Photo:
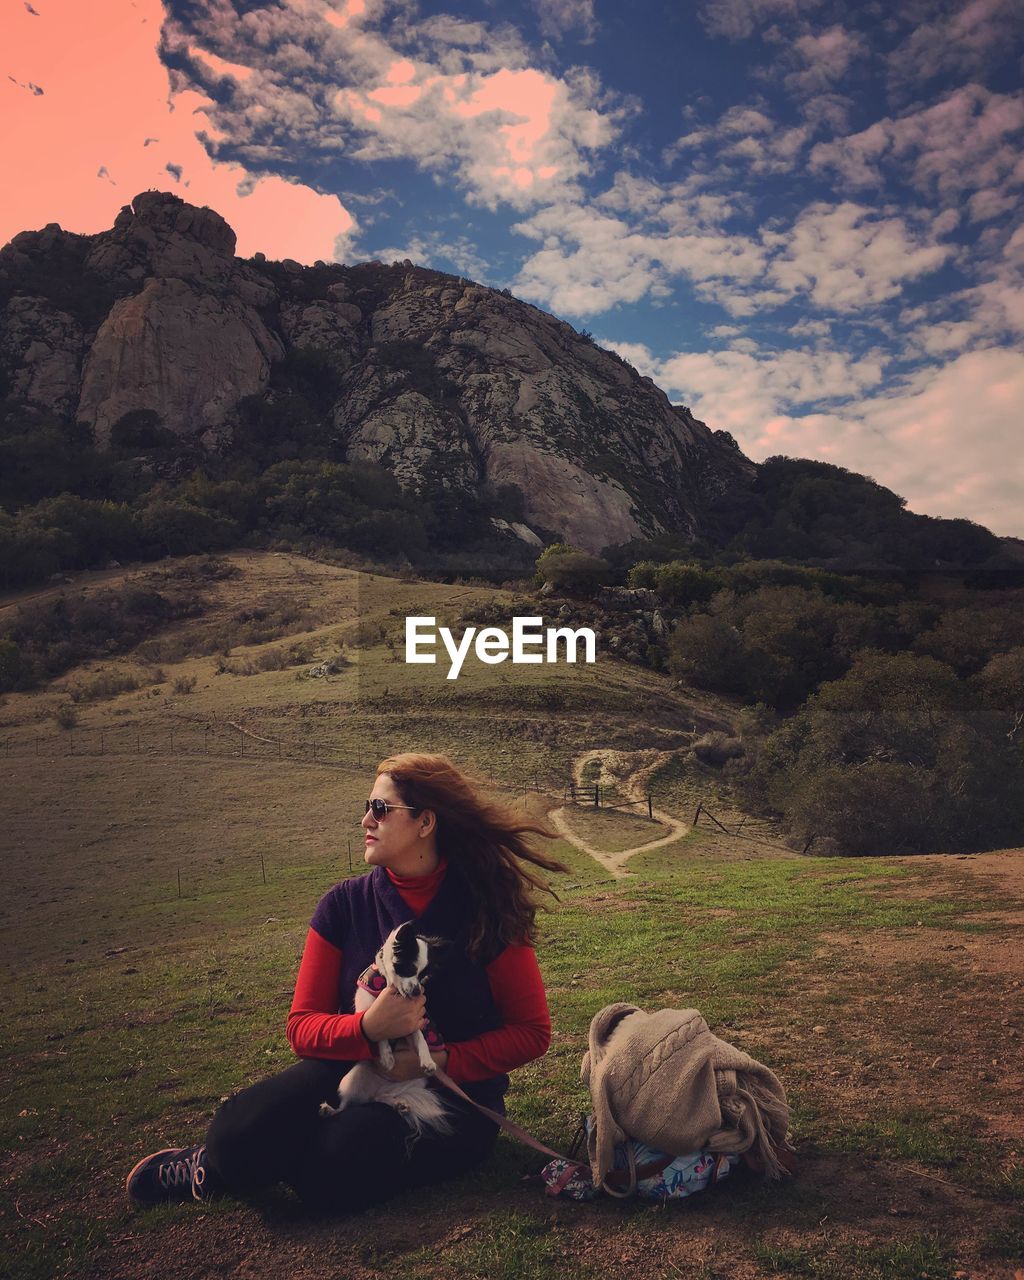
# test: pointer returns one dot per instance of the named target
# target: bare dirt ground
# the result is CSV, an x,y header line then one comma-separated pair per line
x,y
630,771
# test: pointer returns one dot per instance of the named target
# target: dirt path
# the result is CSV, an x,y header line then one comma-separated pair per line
x,y
630,773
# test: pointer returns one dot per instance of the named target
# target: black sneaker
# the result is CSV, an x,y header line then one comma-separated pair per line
x,y
176,1173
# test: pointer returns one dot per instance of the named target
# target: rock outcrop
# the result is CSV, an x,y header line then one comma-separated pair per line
x,y
183,351
438,379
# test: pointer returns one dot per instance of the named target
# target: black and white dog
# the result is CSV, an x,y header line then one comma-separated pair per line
x,y
401,962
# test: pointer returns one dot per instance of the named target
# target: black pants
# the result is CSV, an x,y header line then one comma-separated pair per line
x,y
273,1132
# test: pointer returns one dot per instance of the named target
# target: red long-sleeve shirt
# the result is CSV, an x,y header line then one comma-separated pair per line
x,y
317,1030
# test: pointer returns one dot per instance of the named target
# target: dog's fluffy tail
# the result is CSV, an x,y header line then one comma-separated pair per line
x,y
422,1107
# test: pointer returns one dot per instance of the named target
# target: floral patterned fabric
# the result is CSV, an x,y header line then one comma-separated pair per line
x,y
683,1175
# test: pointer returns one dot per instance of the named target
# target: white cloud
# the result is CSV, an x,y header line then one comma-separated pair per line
x,y
970,140
947,439
961,38
989,313
432,250
637,353
557,17
745,137
590,261
842,258
460,100
723,384
738,19
945,436
824,59
810,328
845,257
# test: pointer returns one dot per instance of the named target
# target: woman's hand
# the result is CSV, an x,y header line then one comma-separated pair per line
x,y
393,1015
407,1064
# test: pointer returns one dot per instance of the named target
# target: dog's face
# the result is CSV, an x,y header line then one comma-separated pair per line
x,y
403,960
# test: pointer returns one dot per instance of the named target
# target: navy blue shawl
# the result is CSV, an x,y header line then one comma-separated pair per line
x,y
358,914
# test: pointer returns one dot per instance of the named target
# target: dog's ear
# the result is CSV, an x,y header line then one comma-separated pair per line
x,y
436,944
438,954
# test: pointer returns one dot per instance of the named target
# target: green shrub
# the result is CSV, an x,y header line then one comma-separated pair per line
x,y
66,717
54,634
898,756
777,644
107,684
15,672
1001,684
574,572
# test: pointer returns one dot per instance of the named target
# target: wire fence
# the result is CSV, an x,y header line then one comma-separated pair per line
x,y
222,741
508,770
597,796
737,833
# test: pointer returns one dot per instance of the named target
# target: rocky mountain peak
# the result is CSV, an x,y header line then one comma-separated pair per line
x,y
159,213
437,378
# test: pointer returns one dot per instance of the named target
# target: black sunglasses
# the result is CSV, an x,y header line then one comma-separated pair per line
x,y
381,807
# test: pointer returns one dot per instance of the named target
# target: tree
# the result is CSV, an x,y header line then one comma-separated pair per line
x,y
1001,684
777,644
176,528
573,571
898,756
15,672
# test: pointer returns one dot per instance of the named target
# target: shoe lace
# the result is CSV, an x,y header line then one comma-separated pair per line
x,y
184,1169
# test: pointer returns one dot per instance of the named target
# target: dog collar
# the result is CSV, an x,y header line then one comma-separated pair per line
x,y
371,979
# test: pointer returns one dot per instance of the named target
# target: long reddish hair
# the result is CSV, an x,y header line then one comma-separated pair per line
x,y
485,840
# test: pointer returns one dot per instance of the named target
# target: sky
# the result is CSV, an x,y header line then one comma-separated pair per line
x,y
801,218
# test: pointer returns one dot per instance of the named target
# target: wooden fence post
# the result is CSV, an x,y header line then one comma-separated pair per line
x,y
697,814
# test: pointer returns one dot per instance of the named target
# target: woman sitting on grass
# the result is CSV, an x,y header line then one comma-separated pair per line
x,y
452,862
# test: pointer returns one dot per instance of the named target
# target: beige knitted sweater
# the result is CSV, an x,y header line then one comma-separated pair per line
x,y
664,1079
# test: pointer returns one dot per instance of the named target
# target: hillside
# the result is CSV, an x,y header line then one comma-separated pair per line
x,y
163,851
443,382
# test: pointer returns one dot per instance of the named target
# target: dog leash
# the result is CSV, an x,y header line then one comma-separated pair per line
x,y
510,1126
615,1180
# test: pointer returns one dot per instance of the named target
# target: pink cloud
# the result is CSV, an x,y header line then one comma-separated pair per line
x,y
219,66
106,94
342,17
945,437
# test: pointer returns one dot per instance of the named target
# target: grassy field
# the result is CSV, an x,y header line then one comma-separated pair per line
x,y
159,870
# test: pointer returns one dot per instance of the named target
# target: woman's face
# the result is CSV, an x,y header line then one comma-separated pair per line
x,y
394,841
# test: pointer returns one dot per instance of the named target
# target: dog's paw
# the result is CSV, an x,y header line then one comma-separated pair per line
x,y
429,1067
327,1110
